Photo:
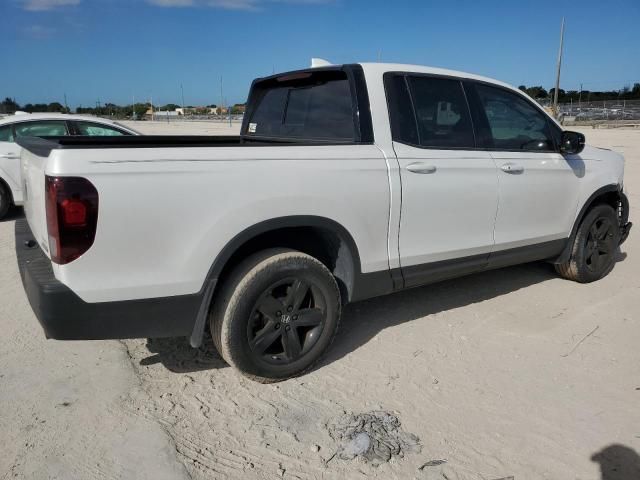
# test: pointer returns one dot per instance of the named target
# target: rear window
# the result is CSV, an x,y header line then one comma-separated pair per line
x,y
305,106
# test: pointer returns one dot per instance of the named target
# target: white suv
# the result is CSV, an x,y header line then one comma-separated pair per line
x,y
38,125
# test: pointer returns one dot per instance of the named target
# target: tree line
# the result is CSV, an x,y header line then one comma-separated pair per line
x,y
9,105
566,96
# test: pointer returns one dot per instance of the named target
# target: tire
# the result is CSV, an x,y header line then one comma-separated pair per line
x,y
5,201
275,315
594,247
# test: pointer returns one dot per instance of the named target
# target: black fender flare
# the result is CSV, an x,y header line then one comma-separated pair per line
x,y
260,228
611,188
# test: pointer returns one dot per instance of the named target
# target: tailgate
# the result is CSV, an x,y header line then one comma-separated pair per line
x,y
33,177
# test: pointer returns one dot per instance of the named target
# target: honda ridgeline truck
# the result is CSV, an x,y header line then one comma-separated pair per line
x,y
345,183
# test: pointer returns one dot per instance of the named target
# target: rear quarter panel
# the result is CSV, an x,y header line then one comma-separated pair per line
x,y
166,213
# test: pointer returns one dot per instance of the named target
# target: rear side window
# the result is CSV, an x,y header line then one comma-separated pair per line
x,y
6,134
514,123
441,113
45,128
97,130
429,111
307,106
403,122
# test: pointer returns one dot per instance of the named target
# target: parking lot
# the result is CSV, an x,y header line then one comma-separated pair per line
x,y
509,373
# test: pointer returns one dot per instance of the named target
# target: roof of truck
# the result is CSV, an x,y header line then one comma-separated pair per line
x,y
401,67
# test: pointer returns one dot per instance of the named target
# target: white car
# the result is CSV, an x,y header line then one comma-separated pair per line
x,y
41,124
347,182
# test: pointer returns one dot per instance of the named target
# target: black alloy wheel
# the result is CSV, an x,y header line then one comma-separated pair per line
x,y
286,321
276,314
600,244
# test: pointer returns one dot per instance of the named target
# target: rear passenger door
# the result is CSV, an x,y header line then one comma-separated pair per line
x,y
449,186
538,187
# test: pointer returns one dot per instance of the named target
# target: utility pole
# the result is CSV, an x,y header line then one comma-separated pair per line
x,y
182,92
555,93
580,99
151,102
221,97
65,103
133,107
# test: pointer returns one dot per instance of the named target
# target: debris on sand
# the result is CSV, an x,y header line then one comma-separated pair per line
x,y
375,437
431,463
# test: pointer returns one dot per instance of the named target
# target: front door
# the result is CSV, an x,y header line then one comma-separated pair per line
x,y
538,187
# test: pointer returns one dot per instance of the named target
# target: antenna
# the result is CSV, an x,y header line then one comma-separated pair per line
x,y
319,62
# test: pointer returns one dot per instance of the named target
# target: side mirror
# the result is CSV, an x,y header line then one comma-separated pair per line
x,y
571,142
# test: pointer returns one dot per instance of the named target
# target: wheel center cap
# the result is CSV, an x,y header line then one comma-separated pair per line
x,y
285,319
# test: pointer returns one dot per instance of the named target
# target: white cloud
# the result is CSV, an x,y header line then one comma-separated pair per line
x,y
42,5
230,4
38,32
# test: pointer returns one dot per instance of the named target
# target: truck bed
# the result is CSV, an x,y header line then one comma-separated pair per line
x,y
42,146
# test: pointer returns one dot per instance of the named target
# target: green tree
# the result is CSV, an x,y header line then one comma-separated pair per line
x,y
9,105
537,92
56,107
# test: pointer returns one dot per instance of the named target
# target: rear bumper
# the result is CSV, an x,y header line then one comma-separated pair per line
x,y
65,316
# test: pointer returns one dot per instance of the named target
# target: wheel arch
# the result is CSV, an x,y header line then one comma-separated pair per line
x,y
320,237
609,194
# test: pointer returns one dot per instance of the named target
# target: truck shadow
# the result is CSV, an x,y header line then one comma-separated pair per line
x,y
362,321
618,462
178,356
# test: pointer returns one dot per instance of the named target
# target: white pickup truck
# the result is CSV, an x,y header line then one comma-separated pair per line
x,y
347,182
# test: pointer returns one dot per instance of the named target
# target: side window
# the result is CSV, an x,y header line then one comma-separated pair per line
x,y
6,134
97,130
403,122
513,122
45,128
442,113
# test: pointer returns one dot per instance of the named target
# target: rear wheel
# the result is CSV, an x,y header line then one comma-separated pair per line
x,y
594,247
5,201
276,315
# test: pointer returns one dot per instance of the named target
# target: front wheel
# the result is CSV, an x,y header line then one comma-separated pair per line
x,y
276,314
5,201
594,247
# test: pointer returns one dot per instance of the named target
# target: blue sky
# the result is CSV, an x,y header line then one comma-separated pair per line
x,y
111,50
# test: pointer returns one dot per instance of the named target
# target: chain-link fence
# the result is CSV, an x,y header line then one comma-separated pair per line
x,y
619,110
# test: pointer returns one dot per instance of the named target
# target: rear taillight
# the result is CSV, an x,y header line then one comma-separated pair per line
x,y
72,217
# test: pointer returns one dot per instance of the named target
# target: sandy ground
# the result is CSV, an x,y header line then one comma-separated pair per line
x,y
510,373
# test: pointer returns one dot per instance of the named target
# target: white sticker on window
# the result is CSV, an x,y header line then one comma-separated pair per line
x,y
252,127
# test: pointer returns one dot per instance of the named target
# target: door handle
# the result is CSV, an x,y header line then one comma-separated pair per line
x,y
421,168
512,168
9,155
